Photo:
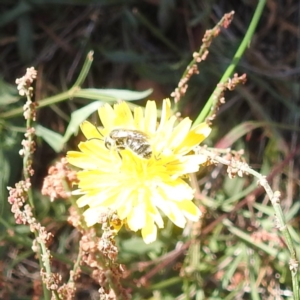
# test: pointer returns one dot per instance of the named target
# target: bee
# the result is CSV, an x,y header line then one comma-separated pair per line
x,y
135,140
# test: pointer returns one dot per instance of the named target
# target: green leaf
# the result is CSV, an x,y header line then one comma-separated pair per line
x,y
233,186
268,210
8,93
234,264
78,116
109,95
137,246
54,139
249,239
237,132
293,211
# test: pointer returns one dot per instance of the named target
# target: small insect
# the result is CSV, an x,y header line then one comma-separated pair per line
x,y
135,140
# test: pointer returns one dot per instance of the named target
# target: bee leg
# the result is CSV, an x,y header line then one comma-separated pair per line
x,y
117,148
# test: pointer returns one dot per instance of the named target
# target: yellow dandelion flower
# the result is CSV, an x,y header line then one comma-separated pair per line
x,y
134,166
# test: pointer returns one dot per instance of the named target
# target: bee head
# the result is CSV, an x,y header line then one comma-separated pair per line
x,y
108,142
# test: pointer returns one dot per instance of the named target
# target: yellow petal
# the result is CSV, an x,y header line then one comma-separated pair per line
x,y
81,160
83,201
158,219
123,211
179,133
124,116
93,179
187,164
150,117
137,218
96,150
177,190
193,138
107,116
165,114
190,210
139,119
202,129
124,198
98,199
92,216
149,231
176,215
163,135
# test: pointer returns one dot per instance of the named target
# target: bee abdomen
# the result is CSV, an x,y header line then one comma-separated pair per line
x,y
144,150
141,148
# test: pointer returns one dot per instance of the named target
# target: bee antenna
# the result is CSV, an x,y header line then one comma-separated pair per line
x,y
99,133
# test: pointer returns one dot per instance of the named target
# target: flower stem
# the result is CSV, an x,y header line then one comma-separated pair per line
x,y
275,200
72,92
244,44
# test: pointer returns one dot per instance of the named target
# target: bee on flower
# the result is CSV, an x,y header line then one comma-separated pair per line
x,y
122,138
135,166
